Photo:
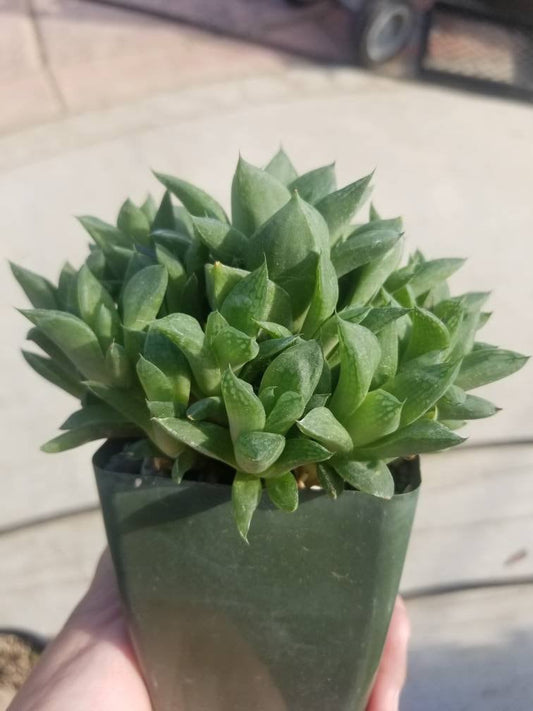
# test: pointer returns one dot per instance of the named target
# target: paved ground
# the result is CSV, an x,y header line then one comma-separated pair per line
x,y
457,167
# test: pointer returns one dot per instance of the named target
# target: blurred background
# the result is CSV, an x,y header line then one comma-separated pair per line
x,y
437,97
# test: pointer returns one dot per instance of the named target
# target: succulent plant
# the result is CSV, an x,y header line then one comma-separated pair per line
x,y
283,349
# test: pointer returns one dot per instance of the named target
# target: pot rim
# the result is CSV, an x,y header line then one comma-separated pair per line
x,y
111,446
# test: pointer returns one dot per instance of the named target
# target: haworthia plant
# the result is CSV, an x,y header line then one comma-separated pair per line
x,y
282,349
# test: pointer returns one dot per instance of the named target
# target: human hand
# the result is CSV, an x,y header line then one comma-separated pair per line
x,y
91,665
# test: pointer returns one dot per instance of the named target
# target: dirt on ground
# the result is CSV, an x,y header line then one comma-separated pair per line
x,y
17,658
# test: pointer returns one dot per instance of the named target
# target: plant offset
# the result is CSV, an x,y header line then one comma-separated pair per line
x,y
284,349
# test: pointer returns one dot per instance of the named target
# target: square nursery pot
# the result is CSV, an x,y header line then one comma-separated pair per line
x,y
294,621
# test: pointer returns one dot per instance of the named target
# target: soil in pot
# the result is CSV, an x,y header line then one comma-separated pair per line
x,y
18,655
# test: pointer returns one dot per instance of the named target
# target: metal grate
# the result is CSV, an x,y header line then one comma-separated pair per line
x,y
472,46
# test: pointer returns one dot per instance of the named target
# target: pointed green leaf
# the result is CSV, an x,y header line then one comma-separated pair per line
x,y
378,415
428,334
418,437
187,334
373,213
205,437
431,273
365,244
257,451
329,480
97,414
274,330
297,369
324,299
370,477
220,280
118,366
339,207
297,453
359,355
161,408
283,492
177,276
40,292
149,208
132,221
245,495
377,319
320,424
66,293
245,410
255,196
129,404
223,241
455,404
316,184
282,168
286,255
51,349
197,201
246,303
82,435
487,365
97,308
419,387
160,350
52,371
184,462
388,339
143,296
155,383
234,348
77,341
208,408
373,275
104,234
164,218
283,411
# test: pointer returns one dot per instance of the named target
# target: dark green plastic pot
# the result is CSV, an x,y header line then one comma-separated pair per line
x,y
295,621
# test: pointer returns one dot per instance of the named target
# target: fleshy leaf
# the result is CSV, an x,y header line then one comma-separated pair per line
x,y
457,405
220,280
245,495
419,387
246,303
143,296
132,221
97,308
370,477
316,184
104,234
130,405
160,350
82,435
118,366
419,437
283,492
208,408
379,318
365,244
245,410
282,168
233,348
40,292
184,462
430,273
339,207
329,480
223,241
372,276
97,414
297,369
52,371
205,437
325,296
378,415
320,424
359,355
255,196
428,334
77,341
196,200
177,277
164,217
297,453
485,366
155,383
257,451
285,410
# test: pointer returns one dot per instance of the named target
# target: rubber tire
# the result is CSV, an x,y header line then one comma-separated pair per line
x,y
368,22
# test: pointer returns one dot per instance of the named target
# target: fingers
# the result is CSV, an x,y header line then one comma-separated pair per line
x,y
392,670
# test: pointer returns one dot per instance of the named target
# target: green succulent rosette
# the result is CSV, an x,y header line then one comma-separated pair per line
x,y
286,347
